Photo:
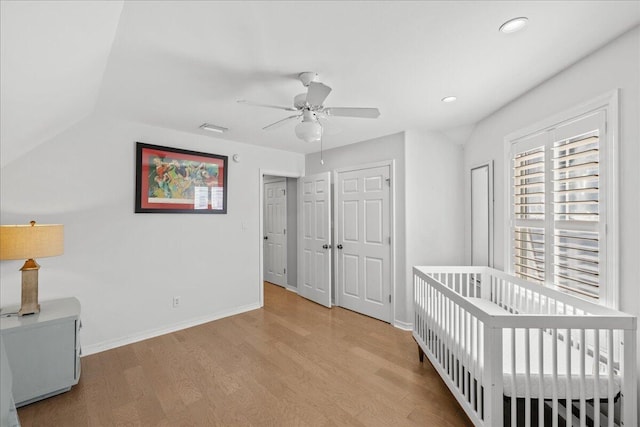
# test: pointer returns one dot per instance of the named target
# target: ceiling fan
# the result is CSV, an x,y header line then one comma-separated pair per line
x,y
309,106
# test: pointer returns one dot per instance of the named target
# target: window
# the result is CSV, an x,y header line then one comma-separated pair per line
x,y
562,208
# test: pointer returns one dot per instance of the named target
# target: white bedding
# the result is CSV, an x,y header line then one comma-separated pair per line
x,y
547,378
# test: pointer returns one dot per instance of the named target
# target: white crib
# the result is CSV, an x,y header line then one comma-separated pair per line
x,y
516,353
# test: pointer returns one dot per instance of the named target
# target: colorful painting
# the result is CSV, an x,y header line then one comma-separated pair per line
x,y
173,180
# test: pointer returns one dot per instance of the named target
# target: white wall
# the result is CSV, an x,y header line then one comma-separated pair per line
x,y
428,210
434,216
616,65
125,267
389,147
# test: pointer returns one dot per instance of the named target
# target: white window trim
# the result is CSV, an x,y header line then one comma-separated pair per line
x,y
609,103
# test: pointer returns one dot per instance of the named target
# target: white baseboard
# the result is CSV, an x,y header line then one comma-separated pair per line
x,y
291,289
152,333
403,325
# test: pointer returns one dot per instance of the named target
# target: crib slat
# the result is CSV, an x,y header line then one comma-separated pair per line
x,y
450,359
554,368
569,396
443,336
629,379
446,337
527,379
583,403
436,323
430,317
514,400
440,329
467,392
459,352
473,356
478,365
610,374
540,378
596,377
456,341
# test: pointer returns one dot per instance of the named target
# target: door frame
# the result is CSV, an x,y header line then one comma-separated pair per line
x,y
491,201
260,236
392,229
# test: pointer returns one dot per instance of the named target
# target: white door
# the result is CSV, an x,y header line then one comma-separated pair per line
x,y
275,239
364,241
314,262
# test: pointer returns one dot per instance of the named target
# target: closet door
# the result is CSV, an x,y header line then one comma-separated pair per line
x,y
314,262
482,215
363,245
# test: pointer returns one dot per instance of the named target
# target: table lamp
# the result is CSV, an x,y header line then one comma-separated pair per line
x,y
29,242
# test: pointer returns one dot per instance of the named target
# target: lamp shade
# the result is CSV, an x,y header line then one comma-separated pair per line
x,y
309,131
31,241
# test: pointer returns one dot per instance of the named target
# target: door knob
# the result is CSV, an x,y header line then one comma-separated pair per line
x,y
325,246
339,246
266,237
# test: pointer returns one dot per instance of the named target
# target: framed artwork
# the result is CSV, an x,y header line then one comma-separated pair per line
x,y
172,180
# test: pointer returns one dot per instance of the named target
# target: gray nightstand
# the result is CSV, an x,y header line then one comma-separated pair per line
x,y
43,349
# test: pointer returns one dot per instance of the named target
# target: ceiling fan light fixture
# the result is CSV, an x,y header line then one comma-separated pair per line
x,y
448,99
513,25
309,131
213,128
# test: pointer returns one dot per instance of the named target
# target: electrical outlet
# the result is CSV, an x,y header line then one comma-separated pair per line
x,y
176,302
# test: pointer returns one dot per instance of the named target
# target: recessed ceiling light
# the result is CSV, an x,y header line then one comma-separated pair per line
x,y
213,128
513,25
448,99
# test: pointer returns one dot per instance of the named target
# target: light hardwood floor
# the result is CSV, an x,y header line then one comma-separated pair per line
x,y
292,363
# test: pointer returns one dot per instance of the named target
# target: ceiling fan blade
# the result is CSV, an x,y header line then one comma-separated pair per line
x,y
280,122
256,104
317,93
368,113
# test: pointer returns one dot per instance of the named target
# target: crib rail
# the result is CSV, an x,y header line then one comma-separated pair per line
x,y
567,360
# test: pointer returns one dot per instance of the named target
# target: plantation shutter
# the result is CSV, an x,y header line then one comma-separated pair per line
x,y
558,210
578,214
529,201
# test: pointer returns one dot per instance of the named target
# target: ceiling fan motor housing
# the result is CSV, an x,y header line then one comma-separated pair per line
x,y
300,101
308,77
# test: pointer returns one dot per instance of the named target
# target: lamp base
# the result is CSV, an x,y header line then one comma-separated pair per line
x,y
29,288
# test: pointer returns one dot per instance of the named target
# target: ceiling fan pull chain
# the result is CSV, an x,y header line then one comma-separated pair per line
x,y
321,138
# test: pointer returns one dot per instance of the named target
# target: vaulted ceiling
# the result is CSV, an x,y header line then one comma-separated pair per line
x,y
180,64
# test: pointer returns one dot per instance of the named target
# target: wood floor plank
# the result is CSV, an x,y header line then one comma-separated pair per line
x,y
290,363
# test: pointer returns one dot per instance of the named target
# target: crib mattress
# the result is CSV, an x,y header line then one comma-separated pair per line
x,y
563,384
565,387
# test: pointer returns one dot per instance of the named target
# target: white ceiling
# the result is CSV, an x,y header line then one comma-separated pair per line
x,y
52,60
180,64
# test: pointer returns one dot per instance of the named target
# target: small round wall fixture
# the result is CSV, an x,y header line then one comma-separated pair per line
x,y
513,25
448,99
236,158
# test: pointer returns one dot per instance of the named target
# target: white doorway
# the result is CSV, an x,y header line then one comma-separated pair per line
x,y
363,240
267,176
275,230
